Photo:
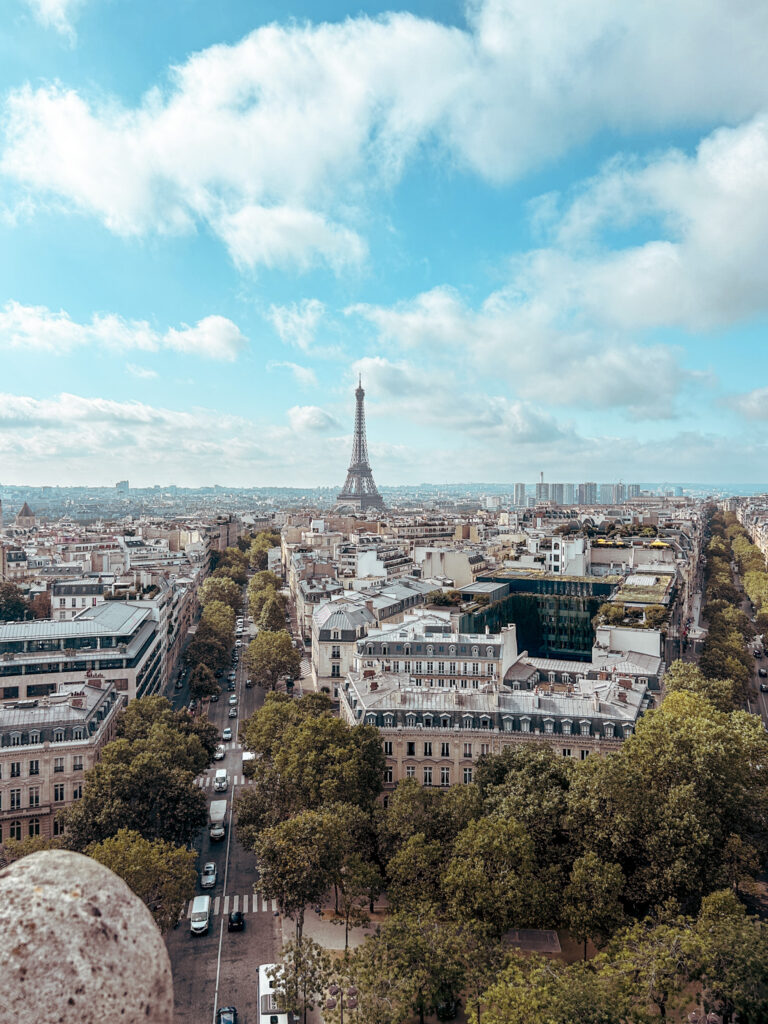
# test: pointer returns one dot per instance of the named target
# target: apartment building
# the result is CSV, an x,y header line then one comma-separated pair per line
x,y
436,735
336,628
70,597
428,652
46,746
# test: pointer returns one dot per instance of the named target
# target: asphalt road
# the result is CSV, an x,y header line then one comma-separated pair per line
x,y
221,968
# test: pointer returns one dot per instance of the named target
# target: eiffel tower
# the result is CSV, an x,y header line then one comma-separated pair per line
x,y
359,490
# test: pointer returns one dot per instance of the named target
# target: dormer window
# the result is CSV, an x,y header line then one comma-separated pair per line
x,y
452,649
430,649
489,652
34,737
608,730
58,735
475,651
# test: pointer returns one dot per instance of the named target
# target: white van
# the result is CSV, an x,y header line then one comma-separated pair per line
x,y
221,780
268,1011
201,915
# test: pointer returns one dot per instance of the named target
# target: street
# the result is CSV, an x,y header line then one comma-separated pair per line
x,y
221,968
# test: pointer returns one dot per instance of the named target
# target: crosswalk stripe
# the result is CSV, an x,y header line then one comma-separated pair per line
x,y
216,903
245,903
274,904
226,905
232,902
235,903
189,908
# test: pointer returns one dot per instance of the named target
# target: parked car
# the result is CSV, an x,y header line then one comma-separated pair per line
x,y
226,734
208,875
236,922
762,671
248,684
233,712
231,687
218,754
214,698
233,700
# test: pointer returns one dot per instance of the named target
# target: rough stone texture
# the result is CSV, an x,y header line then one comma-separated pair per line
x,y
77,946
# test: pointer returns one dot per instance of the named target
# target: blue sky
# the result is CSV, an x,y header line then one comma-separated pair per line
x,y
538,229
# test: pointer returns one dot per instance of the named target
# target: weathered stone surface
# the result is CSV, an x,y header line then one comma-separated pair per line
x,y
77,946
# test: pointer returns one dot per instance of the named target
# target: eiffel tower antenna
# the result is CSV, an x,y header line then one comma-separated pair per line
x,y
359,490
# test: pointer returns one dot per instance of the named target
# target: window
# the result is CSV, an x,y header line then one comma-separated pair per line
x,y
15,769
445,750
34,796
34,737
566,726
441,668
508,725
410,771
77,791
525,725
407,667
388,774
410,749
34,827
336,651
445,776
566,751
58,764
58,793
467,750
467,776
609,730
417,667
452,668
58,735
475,668
335,671
16,830
428,776
549,725
484,748
57,829
428,749
15,799
485,723
388,747
584,754
78,734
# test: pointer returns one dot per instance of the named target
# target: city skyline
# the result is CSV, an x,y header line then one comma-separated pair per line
x,y
212,220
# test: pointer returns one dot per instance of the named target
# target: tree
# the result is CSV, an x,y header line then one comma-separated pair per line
x,y
161,874
593,900
272,614
682,676
40,605
443,598
222,589
732,950
650,963
490,877
359,882
542,991
261,544
414,873
412,964
13,607
271,655
14,849
291,865
263,580
146,785
202,682
302,976
219,618
206,649
665,803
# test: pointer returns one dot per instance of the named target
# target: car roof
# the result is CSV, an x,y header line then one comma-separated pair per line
x,y
207,866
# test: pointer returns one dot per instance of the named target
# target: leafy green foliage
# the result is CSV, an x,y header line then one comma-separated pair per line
x,y
221,589
304,973
271,655
13,607
161,874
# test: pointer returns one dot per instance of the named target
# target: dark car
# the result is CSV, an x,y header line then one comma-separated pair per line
x,y
764,687
214,698
192,704
236,922
231,687
226,1015
762,671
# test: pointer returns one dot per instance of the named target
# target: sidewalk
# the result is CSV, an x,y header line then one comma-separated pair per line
x,y
328,934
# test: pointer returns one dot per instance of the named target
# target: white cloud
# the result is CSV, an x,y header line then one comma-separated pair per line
x,y
311,419
277,141
752,404
286,236
297,323
142,372
56,14
518,341
706,265
39,328
303,375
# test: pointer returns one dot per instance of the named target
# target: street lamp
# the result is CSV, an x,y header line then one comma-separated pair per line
x,y
338,997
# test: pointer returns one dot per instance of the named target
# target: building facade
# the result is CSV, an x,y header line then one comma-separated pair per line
x,y
46,747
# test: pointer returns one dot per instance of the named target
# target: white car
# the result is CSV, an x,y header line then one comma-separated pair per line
x,y
218,754
208,876
227,734
233,699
